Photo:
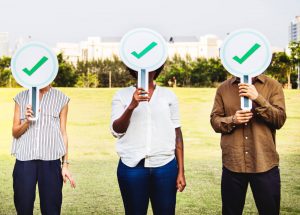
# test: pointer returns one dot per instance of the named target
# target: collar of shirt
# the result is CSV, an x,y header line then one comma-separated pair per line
x,y
260,78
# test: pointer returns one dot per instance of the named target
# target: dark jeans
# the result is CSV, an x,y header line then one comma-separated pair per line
x,y
47,174
139,184
265,188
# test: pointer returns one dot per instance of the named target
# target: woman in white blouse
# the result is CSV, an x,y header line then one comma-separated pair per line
x,y
150,146
38,147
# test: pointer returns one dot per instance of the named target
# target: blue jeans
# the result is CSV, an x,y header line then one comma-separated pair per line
x,y
139,184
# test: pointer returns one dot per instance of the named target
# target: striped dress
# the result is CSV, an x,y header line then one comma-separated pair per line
x,y
43,139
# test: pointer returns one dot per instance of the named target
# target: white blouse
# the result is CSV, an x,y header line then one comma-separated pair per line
x,y
151,131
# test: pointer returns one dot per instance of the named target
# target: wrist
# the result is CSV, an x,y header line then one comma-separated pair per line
x,y
26,121
181,171
131,107
65,163
233,119
255,97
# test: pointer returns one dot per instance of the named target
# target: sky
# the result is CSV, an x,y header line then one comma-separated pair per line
x,y
52,21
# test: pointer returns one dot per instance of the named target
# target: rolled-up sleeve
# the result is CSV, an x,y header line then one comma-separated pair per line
x,y
219,121
118,109
272,111
174,110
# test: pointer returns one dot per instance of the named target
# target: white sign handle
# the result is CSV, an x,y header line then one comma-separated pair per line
x,y
143,79
34,101
246,103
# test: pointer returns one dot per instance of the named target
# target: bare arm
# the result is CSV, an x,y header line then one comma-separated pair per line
x,y
19,128
121,124
179,152
63,127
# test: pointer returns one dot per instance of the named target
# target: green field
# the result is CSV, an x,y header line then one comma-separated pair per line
x,y
94,161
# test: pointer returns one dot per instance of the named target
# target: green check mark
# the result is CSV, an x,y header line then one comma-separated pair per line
x,y
145,51
36,66
247,55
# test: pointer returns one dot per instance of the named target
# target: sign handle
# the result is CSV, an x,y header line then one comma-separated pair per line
x,y
34,102
143,79
246,103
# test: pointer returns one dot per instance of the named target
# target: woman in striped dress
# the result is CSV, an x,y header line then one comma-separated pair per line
x,y
41,151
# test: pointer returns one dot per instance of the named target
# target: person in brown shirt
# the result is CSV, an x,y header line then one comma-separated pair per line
x,y
248,142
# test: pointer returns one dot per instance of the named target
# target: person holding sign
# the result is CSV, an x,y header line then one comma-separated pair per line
x,y
39,130
150,146
248,135
38,147
145,119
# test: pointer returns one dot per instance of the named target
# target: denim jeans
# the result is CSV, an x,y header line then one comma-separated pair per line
x,y
140,184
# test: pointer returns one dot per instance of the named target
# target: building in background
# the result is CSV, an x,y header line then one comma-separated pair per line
x,y
4,44
93,48
206,47
102,48
294,30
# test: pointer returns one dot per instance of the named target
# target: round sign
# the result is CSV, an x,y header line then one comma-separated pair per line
x,y
143,48
246,52
34,65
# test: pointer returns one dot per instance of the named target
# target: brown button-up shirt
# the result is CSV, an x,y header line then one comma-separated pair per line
x,y
249,147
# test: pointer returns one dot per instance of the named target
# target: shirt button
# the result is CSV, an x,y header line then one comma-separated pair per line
x,y
246,138
246,124
246,153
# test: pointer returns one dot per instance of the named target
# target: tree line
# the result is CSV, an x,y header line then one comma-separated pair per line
x,y
182,71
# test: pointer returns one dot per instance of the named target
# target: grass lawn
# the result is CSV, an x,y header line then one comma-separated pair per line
x,y
94,161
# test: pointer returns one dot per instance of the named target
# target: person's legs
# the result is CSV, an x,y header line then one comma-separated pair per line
x,y
163,188
266,191
233,190
50,184
134,186
24,184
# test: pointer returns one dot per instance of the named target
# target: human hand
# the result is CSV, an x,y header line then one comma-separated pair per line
x,y
242,116
66,174
180,182
248,90
139,95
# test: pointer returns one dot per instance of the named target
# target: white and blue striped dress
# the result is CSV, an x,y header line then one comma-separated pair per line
x,y
43,139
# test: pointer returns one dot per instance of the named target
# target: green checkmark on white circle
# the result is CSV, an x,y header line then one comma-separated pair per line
x,y
34,65
246,52
143,48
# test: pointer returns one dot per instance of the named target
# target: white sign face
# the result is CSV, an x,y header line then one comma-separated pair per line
x,y
143,48
246,52
34,65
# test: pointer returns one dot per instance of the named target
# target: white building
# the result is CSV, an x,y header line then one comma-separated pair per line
x,y
101,48
4,44
294,29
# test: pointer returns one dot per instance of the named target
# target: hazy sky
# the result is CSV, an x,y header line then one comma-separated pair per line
x,y
55,21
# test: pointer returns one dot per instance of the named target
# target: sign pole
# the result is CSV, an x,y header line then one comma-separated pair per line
x,y
246,103
34,101
143,79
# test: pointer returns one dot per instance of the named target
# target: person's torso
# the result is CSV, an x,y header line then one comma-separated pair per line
x,y
43,139
250,147
151,133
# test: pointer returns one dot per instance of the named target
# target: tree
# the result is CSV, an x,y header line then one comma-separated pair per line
x,y
217,72
281,68
87,80
66,76
6,78
295,58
